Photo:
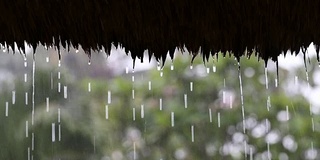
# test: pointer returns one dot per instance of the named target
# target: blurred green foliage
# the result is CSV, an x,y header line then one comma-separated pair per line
x,y
87,134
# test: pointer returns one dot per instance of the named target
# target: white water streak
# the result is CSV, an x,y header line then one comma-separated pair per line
x,y
134,114
210,115
59,115
107,112
65,92
192,133
287,111
149,85
312,123
185,101
27,129
160,104
13,97
109,97
241,97
142,111
53,132
218,119
26,98
191,86
89,87
32,141
214,69
59,132
47,104
172,119
25,77
7,109
266,77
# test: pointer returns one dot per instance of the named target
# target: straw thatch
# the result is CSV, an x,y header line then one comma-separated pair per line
x,y
266,26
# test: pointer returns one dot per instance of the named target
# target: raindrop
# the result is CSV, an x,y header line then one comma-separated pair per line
x,y
172,67
134,114
276,82
191,66
296,80
32,142
142,111
107,112
13,97
266,77
25,63
65,92
214,69
134,151
268,103
59,132
218,119
149,85
26,98
89,87
287,111
28,153
47,59
59,87
77,51
312,123
25,77
47,104
241,97
191,86
53,133
161,73
210,115
251,153
7,109
267,125
132,78
59,117
109,97
208,70
160,104
59,75
132,93
223,97
32,117
51,80
59,63
245,149
231,101
185,101
127,70
192,133
27,129
269,153
172,119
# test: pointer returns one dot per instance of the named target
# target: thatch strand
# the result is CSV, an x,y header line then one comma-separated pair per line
x,y
269,27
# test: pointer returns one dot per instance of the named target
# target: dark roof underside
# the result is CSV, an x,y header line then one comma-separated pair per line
x,y
266,26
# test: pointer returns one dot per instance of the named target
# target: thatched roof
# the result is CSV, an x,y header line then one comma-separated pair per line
x,y
267,26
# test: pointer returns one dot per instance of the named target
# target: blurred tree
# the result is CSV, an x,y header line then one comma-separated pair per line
x,y
86,132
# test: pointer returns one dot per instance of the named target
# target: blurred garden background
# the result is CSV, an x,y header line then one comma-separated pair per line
x,y
104,109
